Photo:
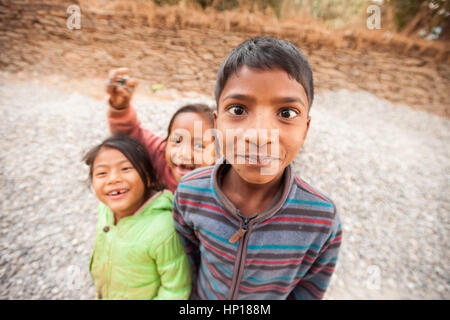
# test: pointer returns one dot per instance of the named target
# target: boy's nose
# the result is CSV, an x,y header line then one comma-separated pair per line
x,y
260,134
257,137
262,131
262,119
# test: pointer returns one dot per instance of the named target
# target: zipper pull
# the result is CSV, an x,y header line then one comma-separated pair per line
x,y
240,233
235,237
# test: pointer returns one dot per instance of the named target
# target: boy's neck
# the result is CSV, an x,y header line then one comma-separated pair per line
x,y
249,198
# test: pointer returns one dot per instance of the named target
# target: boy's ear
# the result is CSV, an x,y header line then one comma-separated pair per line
x,y
308,122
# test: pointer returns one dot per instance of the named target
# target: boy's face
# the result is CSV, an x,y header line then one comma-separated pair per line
x,y
253,107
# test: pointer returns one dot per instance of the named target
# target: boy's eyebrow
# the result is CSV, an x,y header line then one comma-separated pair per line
x,y
290,100
238,96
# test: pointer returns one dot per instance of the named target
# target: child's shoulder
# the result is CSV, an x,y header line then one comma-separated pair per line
x,y
309,197
160,204
197,177
157,218
163,199
304,189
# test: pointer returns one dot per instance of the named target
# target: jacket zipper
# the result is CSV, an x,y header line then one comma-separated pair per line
x,y
243,233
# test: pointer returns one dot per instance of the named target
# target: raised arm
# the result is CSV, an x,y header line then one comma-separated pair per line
x,y
122,117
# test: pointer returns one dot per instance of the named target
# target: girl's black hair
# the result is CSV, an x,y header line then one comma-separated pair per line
x,y
267,53
135,152
199,108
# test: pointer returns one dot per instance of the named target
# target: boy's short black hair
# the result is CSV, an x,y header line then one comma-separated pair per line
x,y
267,53
135,152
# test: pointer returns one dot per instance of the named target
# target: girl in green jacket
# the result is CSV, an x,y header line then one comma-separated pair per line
x,y
137,253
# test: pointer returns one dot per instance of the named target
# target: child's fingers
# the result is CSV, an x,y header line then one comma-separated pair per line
x,y
114,75
118,72
110,90
117,101
116,91
119,97
120,87
132,83
122,92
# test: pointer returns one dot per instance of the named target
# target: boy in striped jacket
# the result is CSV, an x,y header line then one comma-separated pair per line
x,y
252,229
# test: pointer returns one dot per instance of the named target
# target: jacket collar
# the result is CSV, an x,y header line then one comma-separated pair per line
x,y
146,203
222,166
143,208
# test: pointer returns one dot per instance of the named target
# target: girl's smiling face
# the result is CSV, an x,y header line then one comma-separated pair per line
x,y
187,148
117,183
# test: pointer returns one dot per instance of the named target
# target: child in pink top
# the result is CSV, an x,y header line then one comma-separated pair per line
x,y
174,155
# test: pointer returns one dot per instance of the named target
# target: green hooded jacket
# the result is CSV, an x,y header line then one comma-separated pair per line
x,y
141,257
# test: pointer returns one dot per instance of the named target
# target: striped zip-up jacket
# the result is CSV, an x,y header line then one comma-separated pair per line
x,y
287,252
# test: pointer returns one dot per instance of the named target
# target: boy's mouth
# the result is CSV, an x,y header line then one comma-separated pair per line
x,y
255,159
117,193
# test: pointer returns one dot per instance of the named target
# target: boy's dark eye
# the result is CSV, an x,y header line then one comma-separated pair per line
x,y
236,110
288,113
127,168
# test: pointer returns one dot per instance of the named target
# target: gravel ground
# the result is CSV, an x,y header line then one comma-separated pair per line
x,y
386,167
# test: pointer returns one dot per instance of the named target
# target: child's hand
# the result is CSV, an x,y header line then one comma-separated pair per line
x,y
120,87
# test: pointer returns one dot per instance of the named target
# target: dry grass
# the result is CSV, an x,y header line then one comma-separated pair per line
x,y
300,26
